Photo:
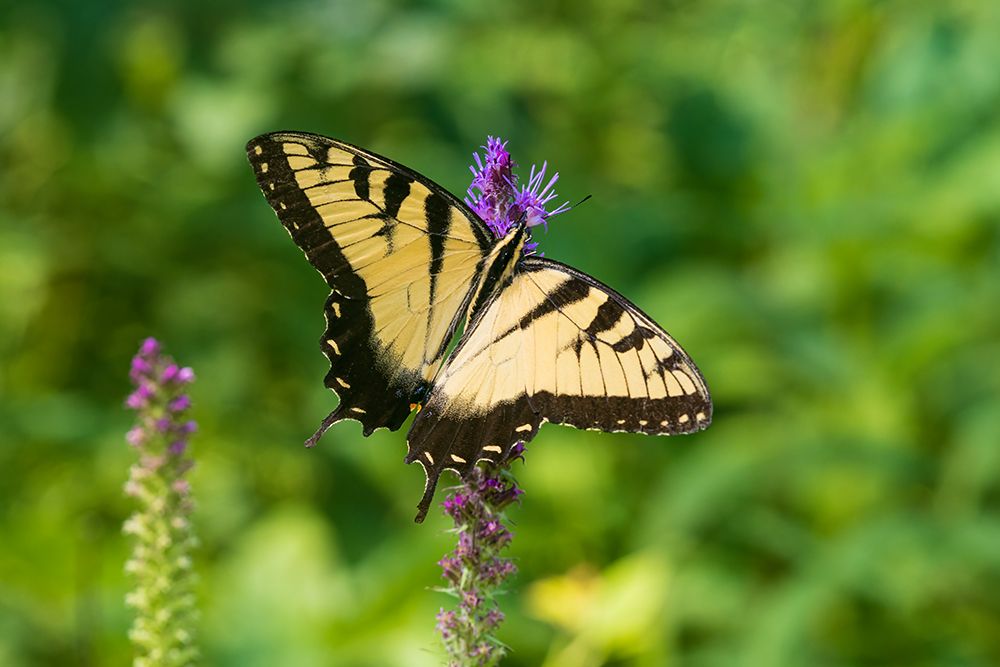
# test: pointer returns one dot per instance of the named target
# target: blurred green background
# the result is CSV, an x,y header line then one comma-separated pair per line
x,y
805,193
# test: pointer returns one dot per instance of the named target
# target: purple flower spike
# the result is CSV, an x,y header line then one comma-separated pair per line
x,y
185,375
160,527
495,197
476,570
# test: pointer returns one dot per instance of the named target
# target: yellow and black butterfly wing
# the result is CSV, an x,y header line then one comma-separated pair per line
x,y
400,254
553,345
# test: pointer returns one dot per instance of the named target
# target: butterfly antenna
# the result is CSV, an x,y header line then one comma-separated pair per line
x,y
581,201
329,421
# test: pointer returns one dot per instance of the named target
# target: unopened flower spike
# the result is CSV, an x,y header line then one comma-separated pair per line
x,y
163,598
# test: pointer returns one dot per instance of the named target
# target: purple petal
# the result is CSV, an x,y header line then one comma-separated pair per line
x,y
170,373
140,367
180,404
149,347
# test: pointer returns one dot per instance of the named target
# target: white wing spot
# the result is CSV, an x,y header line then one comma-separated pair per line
x,y
457,459
258,150
270,186
263,167
429,457
523,427
683,419
700,416
282,205
360,411
333,344
643,422
336,308
342,383
492,448
664,423
620,422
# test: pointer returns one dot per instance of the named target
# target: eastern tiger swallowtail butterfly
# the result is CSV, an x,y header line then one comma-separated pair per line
x,y
407,263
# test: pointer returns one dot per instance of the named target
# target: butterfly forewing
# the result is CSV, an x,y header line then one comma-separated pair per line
x,y
554,345
400,254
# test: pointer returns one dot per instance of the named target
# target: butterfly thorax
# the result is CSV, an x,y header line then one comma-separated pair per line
x,y
499,266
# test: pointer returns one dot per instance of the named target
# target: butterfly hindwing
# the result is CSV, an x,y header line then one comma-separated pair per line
x,y
401,256
554,345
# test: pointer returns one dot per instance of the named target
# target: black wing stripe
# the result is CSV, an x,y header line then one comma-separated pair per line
x,y
362,170
566,294
397,188
608,315
438,223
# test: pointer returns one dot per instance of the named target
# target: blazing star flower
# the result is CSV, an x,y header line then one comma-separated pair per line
x,y
163,598
494,194
476,570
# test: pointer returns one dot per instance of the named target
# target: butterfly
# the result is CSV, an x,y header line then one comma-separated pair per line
x,y
408,264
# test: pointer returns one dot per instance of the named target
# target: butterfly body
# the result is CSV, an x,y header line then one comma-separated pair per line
x,y
408,263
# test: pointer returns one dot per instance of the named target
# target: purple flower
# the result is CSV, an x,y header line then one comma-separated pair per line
x,y
140,368
476,570
496,198
161,527
138,398
179,404
170,373
532,201
149,348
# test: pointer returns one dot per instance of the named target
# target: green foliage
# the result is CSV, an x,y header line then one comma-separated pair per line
x,y
805,193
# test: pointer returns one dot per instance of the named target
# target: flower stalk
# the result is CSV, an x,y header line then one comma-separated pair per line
x,y
477,569
163,597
